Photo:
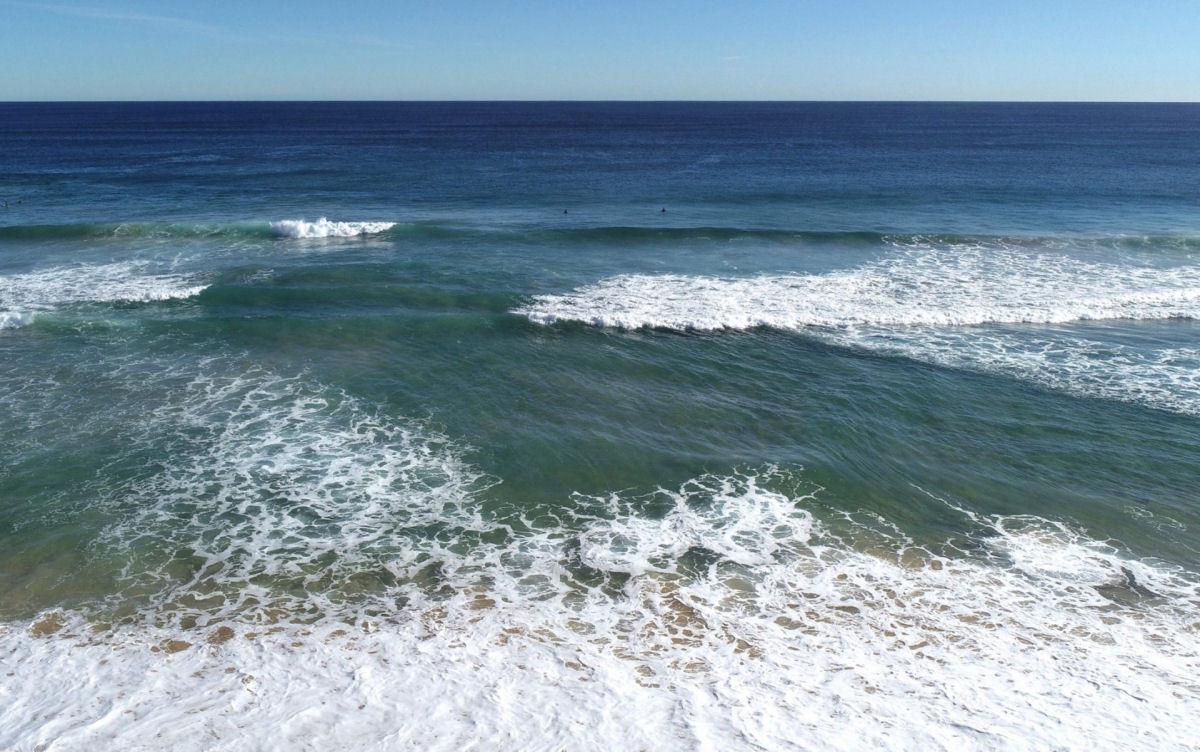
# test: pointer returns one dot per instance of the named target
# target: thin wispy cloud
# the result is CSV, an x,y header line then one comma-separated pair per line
x,y
116,14
357,40
191,25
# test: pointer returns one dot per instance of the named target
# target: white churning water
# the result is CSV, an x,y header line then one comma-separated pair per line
x,y
24,295
996,307
314,573
323,228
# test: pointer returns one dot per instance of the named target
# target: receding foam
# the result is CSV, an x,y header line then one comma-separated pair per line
x,y
308,488
323,228
738,617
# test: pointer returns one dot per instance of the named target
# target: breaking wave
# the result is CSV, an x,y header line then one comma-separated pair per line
x,y
285,564
23,296
930,286
323,228
963,306
288,228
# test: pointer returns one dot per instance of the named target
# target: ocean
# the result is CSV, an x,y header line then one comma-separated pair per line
x,y
661,426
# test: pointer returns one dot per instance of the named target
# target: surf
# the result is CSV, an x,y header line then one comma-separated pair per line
x,y
1026,312
730,608
26,295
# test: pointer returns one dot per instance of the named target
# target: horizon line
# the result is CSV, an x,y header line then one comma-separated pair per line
x,y
596,101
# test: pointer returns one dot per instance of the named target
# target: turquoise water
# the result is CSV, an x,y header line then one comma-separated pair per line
x,y
862,410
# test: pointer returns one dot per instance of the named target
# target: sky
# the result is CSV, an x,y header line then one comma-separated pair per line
x,y
1098,50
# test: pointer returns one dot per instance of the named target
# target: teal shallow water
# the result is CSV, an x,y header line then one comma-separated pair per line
x,y
569,408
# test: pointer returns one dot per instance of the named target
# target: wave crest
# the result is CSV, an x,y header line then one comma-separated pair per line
x,y
958,306
923,287
324,228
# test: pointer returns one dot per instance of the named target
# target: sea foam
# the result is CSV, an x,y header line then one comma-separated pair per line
x,y
922,286
962,305
293,566
310,490
737,618
22,296
323,228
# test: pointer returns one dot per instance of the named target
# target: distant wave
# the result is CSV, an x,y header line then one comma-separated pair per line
x,y
619,234
449,227
286,228
323,228
133,230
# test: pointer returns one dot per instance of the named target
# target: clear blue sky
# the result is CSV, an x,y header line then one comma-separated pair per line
x,y
619,49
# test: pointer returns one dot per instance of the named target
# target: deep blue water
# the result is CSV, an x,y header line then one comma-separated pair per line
x,y
888,167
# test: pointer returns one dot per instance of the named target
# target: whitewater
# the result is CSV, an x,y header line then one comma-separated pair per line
x,y
952,304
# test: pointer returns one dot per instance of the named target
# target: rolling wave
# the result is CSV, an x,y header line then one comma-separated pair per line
x,y
962,306
133,230
453,227
23,296
323,228
284,228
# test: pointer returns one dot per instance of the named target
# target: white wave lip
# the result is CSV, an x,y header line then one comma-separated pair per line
x,y
23,295
924,287
15,319
324,228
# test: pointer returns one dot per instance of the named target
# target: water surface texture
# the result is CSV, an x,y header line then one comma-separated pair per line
x,y
578,425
